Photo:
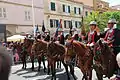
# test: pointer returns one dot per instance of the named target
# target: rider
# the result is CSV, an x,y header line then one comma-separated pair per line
x,y
109,35
62,39
92,35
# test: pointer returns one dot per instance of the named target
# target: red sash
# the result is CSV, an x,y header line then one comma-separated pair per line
x,y
108,34
92,37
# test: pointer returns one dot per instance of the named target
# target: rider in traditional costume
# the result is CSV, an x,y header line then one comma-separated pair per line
x,y
92,35
109,35
62,39
75,35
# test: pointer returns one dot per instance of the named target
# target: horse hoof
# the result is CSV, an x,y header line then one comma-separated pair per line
x,y
22,67
48,73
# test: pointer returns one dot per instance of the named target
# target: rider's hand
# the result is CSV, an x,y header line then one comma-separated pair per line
x,y
92,44
88,44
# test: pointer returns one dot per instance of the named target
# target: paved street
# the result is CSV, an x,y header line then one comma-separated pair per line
x,y
18,74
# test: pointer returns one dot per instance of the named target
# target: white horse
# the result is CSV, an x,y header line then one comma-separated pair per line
x,y
118,62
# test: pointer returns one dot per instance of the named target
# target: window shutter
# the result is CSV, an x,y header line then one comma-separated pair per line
x,y
86,13
51,23
75,10
52,6
68,9
56,23
63,8
79,10
64,24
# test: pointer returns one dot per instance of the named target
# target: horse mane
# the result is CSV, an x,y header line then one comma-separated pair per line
x,y
80,44
55,48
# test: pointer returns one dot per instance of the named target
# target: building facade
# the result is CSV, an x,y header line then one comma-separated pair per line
x,y
116,7
16,15
101,6
69,11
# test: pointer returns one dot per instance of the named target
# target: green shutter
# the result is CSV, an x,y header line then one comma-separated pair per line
x,y
63,8
75,10
52,6
68,9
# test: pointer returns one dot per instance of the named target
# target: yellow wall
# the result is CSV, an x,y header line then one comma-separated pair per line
x,y
59,14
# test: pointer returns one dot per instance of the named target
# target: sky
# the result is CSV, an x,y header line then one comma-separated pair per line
x,y
113,2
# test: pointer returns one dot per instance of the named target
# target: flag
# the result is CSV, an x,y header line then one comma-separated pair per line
x,y
36,29
59,26
43,27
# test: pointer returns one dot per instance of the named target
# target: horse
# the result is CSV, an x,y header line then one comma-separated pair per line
x,y
27,46
39,49
81,55
56,53
104,60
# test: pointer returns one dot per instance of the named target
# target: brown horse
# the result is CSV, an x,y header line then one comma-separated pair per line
x,y
39,49
27,46
104,60
56,53
83,57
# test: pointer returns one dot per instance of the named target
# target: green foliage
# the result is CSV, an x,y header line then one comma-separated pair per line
x,y
101,19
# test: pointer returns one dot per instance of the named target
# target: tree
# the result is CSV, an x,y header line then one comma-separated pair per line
x,y
101,19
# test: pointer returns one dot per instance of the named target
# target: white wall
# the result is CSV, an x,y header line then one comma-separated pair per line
x,y
16,13
37,3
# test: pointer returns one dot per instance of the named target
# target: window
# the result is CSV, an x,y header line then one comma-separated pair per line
x,y
68,9
86,13
3,13
75,10
56,21
64,24
53,23
63,8
52,6
67,24
27,15
77,24
0,12
90,13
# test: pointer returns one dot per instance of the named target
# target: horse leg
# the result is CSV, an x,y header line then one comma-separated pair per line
x,y
72,71
49,67
25,62
60,64
85,77
54,70
39,62
98,73
57,64
22,62
43,59
90,74
66,68
32,61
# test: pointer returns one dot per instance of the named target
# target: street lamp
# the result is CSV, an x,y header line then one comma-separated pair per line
x,y
33,17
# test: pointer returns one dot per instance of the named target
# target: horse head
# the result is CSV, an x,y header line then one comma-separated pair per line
x,y
104,57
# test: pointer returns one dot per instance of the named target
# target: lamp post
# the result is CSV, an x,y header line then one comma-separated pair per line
x,y
33,17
